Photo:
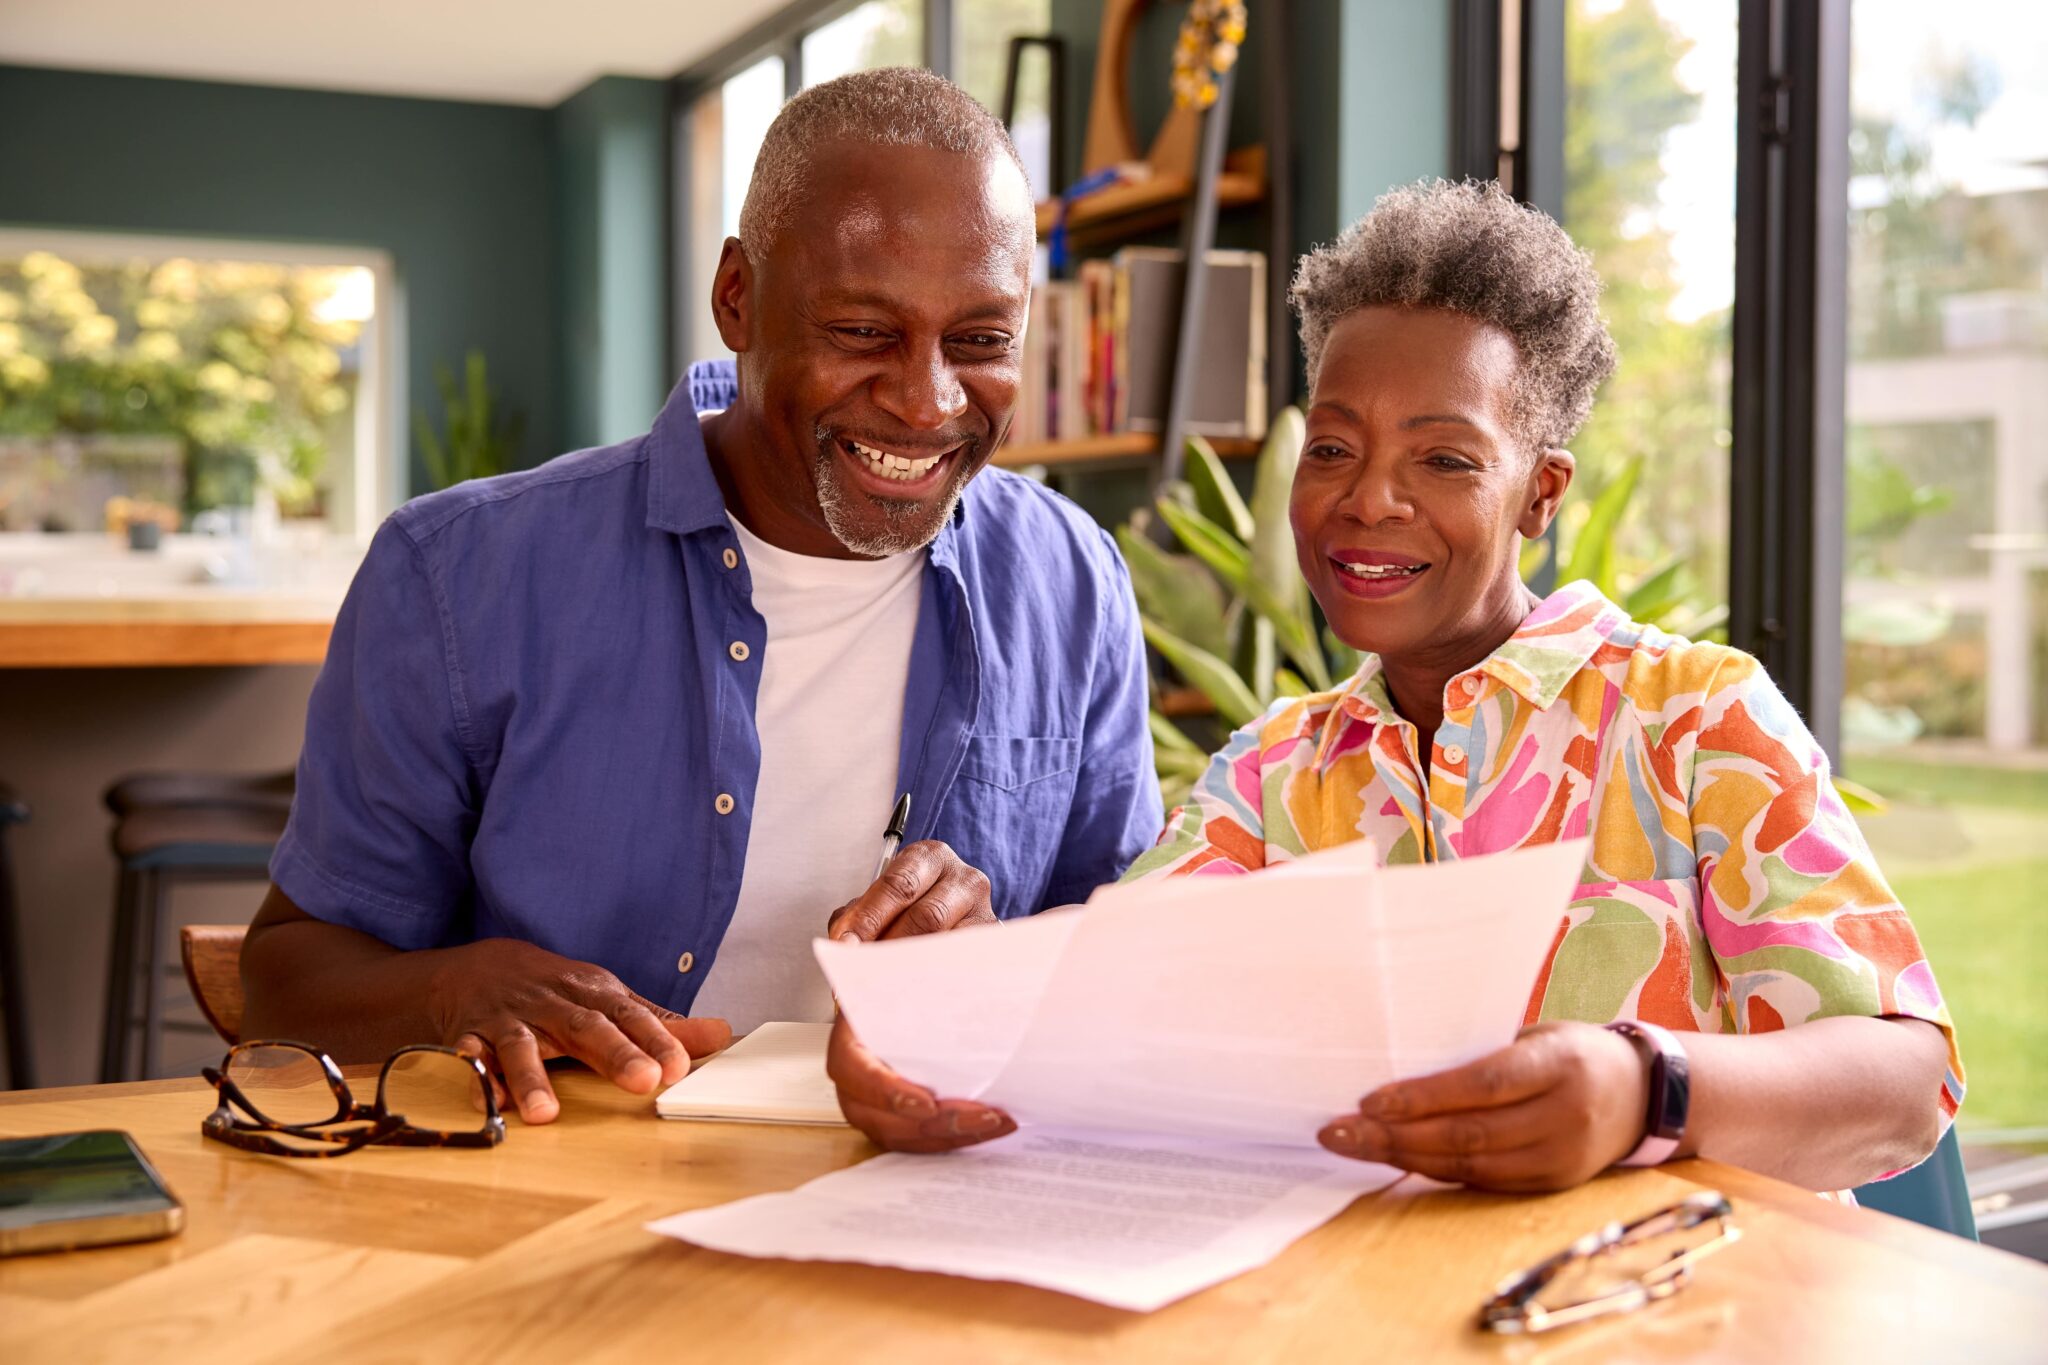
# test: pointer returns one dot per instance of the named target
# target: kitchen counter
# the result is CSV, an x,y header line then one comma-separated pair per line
x,y
86,601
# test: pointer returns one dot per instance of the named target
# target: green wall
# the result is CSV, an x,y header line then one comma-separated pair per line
x,y
612,164
462,196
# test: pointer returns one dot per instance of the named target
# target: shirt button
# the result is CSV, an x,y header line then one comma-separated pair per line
x,y
1453,755
1468,685
739,651
723,805
685,962
732,558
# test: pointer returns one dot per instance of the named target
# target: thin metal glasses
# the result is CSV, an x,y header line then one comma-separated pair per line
x,y
1619,1267
289,1099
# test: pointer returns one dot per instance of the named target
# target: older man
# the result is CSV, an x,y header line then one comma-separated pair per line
x,y
602,745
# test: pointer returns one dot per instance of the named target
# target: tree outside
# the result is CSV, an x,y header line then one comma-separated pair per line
x,y
247,366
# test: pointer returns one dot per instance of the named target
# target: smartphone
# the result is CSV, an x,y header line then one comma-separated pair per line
x,y
81,1190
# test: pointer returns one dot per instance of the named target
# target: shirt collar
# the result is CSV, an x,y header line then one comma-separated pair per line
x,y
1554,642
683,495
1547,650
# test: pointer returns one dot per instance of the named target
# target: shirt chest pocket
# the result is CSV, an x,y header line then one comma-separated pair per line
x,y
1008,811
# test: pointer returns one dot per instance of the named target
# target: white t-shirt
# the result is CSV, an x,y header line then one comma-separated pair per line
x,y
830,717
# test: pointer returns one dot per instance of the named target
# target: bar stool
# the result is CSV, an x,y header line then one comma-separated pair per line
x,y
21,1073
171,828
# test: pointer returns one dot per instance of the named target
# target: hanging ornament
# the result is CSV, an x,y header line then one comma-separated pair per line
x,y
1207,47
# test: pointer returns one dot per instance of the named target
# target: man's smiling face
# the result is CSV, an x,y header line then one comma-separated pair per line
x,y
878,339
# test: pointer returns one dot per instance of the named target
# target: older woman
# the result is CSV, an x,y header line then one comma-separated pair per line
x,y
1731,929
1731,924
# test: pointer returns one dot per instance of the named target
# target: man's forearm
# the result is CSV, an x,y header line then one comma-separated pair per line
x,y
1829,1104
352,995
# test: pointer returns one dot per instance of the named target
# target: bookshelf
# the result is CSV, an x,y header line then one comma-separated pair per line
x,y
1106,448
1124,211
1193,176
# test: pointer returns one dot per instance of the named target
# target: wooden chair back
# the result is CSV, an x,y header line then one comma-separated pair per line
x,y
213,966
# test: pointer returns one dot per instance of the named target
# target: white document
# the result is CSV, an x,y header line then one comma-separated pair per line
x,y
1224,1017
776,1074
1127,1221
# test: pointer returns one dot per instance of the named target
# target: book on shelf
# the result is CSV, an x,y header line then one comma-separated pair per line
x,y
1098,350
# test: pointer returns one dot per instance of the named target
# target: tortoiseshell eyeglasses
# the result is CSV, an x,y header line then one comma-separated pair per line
x,y
289,1099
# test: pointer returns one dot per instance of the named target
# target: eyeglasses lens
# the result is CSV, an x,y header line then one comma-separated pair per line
x,y
435,1091
283,1084
1645,1258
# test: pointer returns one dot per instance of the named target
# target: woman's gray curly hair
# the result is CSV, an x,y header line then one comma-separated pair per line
x,y
1471,248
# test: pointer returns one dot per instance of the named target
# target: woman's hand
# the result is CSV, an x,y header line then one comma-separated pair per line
x,y
1560,1104
898,1115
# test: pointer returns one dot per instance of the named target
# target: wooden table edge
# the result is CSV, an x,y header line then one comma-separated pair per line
x,y
158,644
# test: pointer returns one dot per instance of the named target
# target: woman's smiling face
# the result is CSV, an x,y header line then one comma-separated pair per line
x,y
1414,489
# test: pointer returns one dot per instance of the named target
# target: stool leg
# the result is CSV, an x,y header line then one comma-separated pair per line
x,y
13,1008
151,938
120,1002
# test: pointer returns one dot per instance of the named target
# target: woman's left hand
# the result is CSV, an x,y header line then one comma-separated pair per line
x,y
1560,1104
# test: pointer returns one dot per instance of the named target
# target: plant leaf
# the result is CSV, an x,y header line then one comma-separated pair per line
x,y
1209,543
1654,597
1288,683
1272,539
1255,659
1293,630
1175,591
1168,737
1592,552
1859,798
1215,679
1216,496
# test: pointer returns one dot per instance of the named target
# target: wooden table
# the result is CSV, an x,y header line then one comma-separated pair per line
x,y
534,1251
170,632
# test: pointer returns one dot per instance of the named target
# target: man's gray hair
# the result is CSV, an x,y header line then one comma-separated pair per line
x,y
1470,248
897,106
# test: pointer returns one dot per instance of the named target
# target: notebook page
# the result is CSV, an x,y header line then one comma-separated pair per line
x,y
776,1074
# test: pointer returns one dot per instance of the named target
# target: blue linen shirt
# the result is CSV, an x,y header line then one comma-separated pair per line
x,y
540,693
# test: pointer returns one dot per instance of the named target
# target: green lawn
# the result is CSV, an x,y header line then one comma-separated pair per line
x,y
1982,928
1967,850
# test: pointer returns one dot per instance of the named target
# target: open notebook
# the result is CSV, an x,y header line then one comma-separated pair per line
x,y
776,1074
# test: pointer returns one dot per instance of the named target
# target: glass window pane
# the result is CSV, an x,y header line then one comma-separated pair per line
x,y
879,33
141,383
1945,605
750,101
1650,192
981,57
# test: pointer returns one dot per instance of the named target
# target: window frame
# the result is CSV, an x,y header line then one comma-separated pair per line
x,y
382,448
1787,494
781,35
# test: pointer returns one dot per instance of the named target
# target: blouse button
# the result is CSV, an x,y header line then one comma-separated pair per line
x,y
732,558
739,651
685,962
1453,755
723,805
1468,685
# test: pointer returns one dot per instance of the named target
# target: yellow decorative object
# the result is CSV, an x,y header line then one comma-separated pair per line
x,y
1207,47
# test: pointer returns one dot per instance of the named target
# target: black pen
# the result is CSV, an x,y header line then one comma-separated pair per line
x,y
892,837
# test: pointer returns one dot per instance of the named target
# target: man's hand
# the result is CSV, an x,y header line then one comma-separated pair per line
x,y
898,1115
1560,1104
925,889
515,1005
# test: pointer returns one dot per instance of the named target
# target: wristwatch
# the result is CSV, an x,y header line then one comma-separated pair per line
x,y
1670,1092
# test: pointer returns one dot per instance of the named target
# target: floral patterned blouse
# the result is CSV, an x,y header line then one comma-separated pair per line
x,y
1726,889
